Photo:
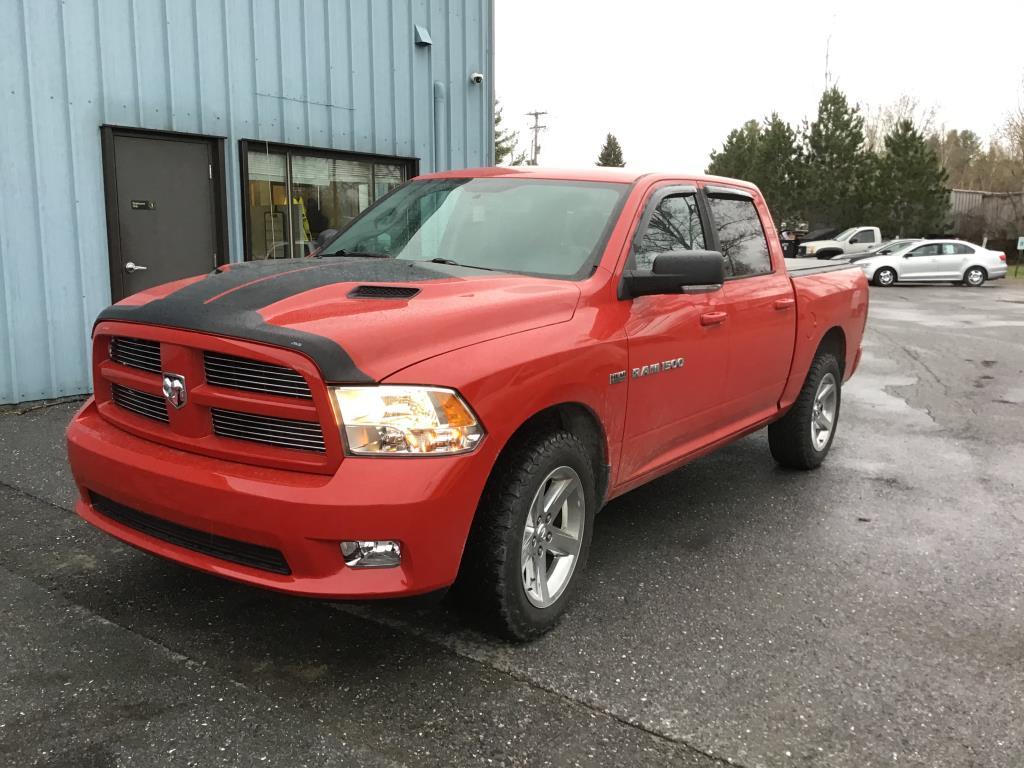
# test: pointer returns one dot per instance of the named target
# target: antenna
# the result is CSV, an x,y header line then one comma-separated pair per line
x,y
536,128
828,74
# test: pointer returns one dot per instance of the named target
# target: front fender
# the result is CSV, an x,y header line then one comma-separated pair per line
x,y
508,380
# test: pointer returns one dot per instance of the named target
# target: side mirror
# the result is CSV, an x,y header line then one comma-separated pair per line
x,y
676,272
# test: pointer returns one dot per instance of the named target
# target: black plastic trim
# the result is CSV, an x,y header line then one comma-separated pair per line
x,y
241,552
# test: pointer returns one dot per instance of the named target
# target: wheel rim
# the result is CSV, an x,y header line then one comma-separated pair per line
x,y
886,277
552,536
823,413
975,277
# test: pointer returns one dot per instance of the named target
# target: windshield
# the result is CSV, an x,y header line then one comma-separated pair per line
x,y
536,226
845,233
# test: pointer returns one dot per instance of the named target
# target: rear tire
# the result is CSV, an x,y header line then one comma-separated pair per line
x,y
885,277
975,277
799,439
522,535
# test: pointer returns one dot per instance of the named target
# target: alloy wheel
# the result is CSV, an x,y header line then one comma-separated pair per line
x,y
552,536
823,413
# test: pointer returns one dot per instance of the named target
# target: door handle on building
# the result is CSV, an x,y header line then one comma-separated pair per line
x,y
713,318
132,267
784,303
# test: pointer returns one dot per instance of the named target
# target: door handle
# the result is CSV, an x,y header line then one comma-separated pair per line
x,y
784,303
132,267
713,318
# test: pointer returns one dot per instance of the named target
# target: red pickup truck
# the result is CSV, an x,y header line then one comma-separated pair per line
x,y
449,390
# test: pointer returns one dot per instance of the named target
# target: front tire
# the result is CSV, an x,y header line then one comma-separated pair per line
x,y
802,438
885,277
531,536
975,277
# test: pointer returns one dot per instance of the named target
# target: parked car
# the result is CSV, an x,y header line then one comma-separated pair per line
x,y
454,385
852,240
882,249
955,261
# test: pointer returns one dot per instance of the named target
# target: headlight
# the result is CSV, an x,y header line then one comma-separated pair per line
x,y
811,249
405,420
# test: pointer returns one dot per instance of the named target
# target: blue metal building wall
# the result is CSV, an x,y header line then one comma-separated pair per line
x,y
337,74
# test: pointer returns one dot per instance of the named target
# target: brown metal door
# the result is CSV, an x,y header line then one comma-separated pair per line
x,y
166,223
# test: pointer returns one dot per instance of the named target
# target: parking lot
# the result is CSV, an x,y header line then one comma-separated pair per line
x,y
869,613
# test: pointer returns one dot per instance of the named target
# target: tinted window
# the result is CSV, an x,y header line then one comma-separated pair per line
x,y
867,236
674,226
740,237
962,248
927,250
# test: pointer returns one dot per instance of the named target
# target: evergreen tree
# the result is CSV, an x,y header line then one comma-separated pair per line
x,y
839,171
505,140
779,170
912,184
769,155
739,154
611,154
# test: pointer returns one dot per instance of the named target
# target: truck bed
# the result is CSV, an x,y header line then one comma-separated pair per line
x,y
802,267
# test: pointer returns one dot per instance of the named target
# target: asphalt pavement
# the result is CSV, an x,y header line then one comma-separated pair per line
x,y
869,613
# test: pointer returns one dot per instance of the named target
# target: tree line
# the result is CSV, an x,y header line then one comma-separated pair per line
x,y
891,169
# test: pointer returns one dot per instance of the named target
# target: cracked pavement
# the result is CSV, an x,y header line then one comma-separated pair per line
x,y
869,613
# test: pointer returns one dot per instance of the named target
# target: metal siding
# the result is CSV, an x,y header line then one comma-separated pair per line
x,y
341,74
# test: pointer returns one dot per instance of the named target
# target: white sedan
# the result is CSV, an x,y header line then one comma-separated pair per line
x,y
925,261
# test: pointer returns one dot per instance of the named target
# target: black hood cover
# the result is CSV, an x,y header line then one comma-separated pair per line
x,y
227,303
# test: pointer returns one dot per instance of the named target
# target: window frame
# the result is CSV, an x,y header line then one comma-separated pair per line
x,y
733,193
655,199
411,164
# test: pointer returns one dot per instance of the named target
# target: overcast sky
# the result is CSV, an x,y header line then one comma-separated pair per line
x,y
671,78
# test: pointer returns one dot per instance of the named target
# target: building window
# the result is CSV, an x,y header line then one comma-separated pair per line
x,y
293,195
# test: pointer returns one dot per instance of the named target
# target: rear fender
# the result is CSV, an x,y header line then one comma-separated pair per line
x,y
826,301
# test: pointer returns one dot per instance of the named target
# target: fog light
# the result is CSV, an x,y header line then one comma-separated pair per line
x,y
372,554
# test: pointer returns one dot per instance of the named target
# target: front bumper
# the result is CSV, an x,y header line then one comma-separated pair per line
x,y
425,503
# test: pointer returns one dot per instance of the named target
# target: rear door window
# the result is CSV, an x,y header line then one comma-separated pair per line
x,y
741,236
675,225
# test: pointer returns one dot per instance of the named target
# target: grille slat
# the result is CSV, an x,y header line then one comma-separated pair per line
x,y
221,547
254,376
136,353
270,430
142,403
297,428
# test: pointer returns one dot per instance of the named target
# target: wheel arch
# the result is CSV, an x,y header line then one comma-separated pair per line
x,y
834,340
974,265
575,417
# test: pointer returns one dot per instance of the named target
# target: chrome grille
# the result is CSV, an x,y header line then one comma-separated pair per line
x,y
283,433
254,376
137,353
142,403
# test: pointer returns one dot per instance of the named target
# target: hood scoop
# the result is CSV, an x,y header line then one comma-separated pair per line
x,y
382,292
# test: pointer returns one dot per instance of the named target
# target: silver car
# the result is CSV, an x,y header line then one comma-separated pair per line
x,y
924,261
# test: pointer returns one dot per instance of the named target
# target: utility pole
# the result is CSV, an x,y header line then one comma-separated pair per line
x,y
536,128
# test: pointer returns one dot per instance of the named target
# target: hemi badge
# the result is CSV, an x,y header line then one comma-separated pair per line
x,y
617,378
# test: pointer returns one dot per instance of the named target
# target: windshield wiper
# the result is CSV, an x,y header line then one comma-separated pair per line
x,y
453,263
358,254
